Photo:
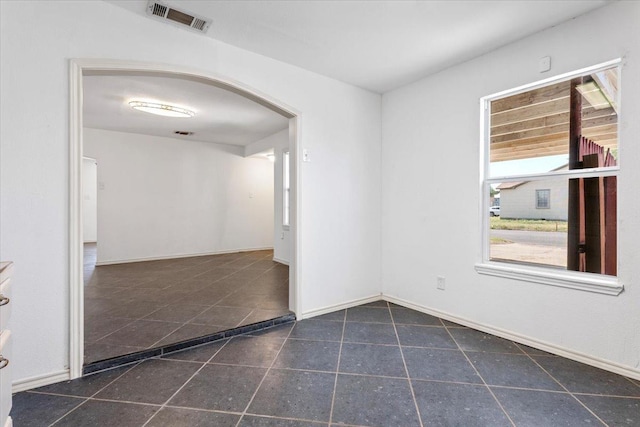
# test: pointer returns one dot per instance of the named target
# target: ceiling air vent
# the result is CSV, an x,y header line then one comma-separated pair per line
x,y
184,19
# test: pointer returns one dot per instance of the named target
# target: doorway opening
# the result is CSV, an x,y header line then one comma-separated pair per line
x,y
164,282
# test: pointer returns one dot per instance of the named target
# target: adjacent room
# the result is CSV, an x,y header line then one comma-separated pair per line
x,y
365,213
183,233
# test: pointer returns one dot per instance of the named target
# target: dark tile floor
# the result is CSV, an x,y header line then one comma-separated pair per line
x,y
373,365
137,306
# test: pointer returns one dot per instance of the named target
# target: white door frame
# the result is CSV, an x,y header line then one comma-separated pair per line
x,y
78,67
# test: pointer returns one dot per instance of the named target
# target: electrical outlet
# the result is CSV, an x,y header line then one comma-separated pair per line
x,y
440,283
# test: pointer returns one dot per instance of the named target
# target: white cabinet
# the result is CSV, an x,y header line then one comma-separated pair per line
x,y
5,344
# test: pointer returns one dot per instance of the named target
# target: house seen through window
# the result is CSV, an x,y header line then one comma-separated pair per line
x,y
552,165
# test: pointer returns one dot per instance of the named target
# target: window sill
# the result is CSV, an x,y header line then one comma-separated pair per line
x,y
581,281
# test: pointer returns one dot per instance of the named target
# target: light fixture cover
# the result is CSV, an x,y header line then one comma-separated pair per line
x,y
161,109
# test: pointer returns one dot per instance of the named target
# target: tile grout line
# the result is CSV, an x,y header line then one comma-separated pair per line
x,y
481,378
335,381
185,383
406,369
563,387
87,399
264,377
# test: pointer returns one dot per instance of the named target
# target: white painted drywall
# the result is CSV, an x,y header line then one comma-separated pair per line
x,y
89,200
277,144
431,197
339,125
165,197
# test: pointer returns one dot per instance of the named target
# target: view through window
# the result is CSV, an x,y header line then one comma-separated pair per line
x,y
552,170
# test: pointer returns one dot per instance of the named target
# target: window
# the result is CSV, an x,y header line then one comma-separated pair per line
x,y
551,155
542,199
286,188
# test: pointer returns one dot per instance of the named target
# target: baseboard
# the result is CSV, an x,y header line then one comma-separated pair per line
x,y
160,258
522,339
281,261
40,381
330,309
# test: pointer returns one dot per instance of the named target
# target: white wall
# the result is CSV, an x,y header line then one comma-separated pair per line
x,y
339,125
431,147
89,200
277,143
165,197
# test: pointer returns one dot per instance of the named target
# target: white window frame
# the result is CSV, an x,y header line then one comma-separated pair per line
x,y
548,192
286,189
591,282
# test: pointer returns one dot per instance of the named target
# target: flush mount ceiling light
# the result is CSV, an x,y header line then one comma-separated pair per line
x,y
161,109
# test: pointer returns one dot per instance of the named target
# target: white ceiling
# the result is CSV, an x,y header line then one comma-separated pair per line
x,y
221,116
377,45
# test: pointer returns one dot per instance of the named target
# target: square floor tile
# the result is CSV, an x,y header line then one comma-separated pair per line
x,y
439,365
295,394
99,328
255,421
260,315
450,324
152,381
581,378
534,351
94,413
615,411
336,316
425,336
371,333
372,359
135,309
197,354
86,386
187,332
512,370
310,355
179,417
368,314
177,312
374,401
220,387
406,316
312,329
34,409
226,316
142,333
527,408
279,331
379,303
250,351
472,340
446,404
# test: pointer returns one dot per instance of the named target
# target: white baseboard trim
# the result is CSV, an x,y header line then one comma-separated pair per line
x,y
281,261
39,381
160,258
330,309
522,339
